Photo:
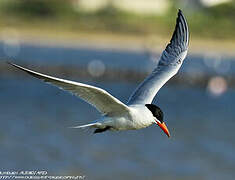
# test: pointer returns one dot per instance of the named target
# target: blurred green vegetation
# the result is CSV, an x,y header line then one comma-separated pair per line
x,y
216,22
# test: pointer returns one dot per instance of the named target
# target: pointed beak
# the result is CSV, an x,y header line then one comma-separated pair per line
x,y
164,128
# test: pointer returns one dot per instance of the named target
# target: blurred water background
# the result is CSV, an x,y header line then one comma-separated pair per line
x,y
198,103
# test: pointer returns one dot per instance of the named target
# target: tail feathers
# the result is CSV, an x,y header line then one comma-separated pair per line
x,y
86,125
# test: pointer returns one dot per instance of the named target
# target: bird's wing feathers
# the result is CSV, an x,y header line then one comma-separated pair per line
x,y
169,64
99,98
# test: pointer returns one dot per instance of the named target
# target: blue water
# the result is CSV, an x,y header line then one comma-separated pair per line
x,y
140,61
34,134
35,117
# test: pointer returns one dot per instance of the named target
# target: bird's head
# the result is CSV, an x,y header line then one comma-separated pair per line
x,y
158,117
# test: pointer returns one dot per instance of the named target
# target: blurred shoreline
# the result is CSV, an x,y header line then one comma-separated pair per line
x,y
115,41
67,24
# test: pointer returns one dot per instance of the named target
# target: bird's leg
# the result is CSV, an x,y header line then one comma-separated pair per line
x,y
99,130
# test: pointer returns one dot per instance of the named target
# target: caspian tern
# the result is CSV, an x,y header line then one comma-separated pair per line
x,y
138,112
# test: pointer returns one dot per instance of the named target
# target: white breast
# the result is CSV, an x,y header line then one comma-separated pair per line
x,y
141,116
138,117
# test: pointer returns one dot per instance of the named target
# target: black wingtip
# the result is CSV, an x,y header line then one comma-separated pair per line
x,y
8,62
12,64
180,13
180,36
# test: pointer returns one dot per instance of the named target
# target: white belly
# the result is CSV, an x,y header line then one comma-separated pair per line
x,y
138,117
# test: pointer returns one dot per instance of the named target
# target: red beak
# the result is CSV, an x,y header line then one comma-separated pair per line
x,y
164,128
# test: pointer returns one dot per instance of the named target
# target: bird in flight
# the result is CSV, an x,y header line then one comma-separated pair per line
x,y
138,112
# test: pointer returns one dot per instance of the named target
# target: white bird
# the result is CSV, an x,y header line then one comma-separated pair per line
x,y
138,112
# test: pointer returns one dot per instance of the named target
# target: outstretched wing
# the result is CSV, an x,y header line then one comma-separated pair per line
x,y
99,98
169,64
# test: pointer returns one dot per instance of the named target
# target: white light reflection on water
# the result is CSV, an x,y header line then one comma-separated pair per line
x,y
96,68
217,86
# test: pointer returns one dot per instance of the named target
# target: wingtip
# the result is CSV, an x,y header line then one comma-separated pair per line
x,y
12,64
181,27
180,13
8,62
180,37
